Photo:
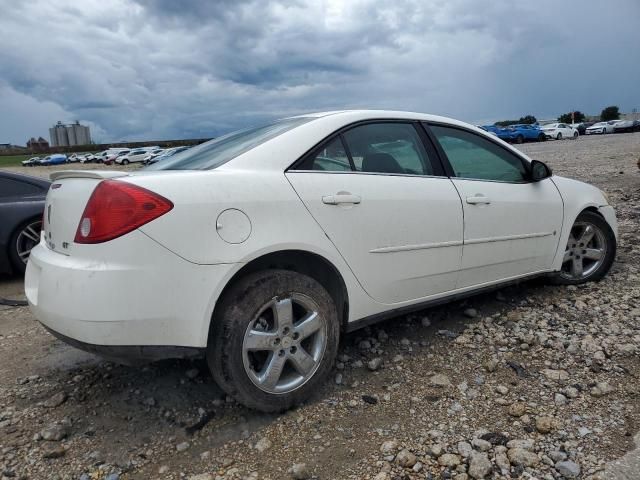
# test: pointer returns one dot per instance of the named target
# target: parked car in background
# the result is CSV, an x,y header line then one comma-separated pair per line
x,y
582,127
155,153
262,247
627,126
164,155
559,131
30,162
21,205
55,159
521,133
602,127
113,154
133,156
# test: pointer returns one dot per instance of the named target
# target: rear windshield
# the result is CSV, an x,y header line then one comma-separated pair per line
x,y
214,153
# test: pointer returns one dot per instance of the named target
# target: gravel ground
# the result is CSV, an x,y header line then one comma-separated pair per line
x,y
533,381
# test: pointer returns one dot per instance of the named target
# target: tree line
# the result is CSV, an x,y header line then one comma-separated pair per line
x,y
609,113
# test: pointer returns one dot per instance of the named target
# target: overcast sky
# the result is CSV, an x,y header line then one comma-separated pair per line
x,y
161,69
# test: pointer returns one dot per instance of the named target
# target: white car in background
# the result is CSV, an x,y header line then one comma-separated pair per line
x,y
559,131
261,248
133,156
602,127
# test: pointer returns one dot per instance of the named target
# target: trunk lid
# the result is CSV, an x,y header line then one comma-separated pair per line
x,y
65,203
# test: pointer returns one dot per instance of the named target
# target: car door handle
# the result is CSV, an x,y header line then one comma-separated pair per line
x,y
478,200
341,198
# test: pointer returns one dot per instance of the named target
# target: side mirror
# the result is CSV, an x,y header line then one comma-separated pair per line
x,y
539,171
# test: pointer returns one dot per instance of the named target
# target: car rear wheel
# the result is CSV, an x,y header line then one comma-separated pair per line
x,y
589,252
22,241
559,137
273,340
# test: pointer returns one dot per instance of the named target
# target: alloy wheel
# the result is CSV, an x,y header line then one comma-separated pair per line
x,y
28,238
585,251
284,344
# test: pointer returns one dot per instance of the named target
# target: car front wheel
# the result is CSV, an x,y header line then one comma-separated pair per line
x,y
274,339
559,137
589,252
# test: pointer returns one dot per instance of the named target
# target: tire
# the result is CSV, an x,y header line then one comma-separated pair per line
x,y
249,311
559,136
519,139
25,237
125,162
602,239
542,137
575,135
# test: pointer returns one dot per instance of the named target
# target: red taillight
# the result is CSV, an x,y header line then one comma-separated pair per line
x,y
116,208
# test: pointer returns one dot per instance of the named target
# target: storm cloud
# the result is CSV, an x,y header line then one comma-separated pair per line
x,y
159,69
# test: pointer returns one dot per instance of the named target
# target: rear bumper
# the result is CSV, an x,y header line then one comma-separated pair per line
x,y
135,294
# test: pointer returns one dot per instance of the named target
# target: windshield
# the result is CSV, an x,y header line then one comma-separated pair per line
x,y
220,150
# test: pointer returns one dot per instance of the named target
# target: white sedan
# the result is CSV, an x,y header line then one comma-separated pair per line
x,y
602,127
261,248
558,131
134,156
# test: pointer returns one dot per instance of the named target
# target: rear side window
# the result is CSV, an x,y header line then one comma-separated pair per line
x,y
474,157
331,157
214,153
388,148
15,188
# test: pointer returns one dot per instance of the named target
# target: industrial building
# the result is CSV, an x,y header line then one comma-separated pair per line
x,y
69,135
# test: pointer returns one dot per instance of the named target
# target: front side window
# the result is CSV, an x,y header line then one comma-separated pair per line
x,y
474,157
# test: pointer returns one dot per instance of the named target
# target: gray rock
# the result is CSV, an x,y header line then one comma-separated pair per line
x,y
465,449
502,461
181,447
389,447
520,456
192,373
374,364
557,456
601,389
55,452
406,459
112,476
481,445
56,400
426,322
559,399
55,432
440,380
568,469
263,444
471,313
449,460
300,471
479,466
557,375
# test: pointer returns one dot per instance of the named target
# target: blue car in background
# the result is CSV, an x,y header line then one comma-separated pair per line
x,y
55,159
518,133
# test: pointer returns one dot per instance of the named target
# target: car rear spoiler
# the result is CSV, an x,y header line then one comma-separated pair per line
x,y
87,174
